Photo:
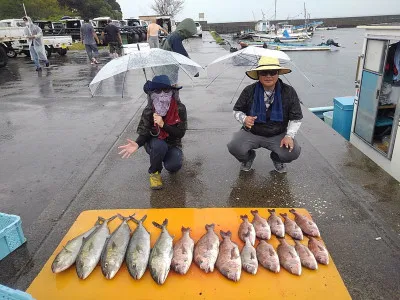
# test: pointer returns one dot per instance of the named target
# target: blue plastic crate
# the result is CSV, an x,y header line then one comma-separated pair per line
x,y
7,293
11,235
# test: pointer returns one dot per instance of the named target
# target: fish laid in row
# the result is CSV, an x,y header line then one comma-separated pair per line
x,y
249,256
183,252
288,257
161,254
306,257
276,224
318,249
92,248
67,256
115,249
206,250
267,257
247,228
291,228
138,252
228,262
306,225
261,226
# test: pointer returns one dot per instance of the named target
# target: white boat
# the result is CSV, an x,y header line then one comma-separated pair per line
x,y
326,28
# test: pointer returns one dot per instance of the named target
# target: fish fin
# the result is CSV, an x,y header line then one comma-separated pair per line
x,y
157,225
139,248
271,252
165,223
271,211
321,248
234,255
143,218
113,245
184,251
65,248
244,217
284,215
210,226
252,256
292,210
91,247
185,229
120,216
254,212
291,254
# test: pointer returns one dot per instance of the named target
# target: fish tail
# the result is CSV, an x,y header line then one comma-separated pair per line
x,y
271,211
143,218
254,212
162,226
292,210
244,217
210,226
185,229
225,235
284,215
100,220
110,219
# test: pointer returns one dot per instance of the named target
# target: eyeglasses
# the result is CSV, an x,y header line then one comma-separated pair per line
x,y
158,91
267,72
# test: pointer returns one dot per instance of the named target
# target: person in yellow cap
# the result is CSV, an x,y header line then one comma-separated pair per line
x,y
270,113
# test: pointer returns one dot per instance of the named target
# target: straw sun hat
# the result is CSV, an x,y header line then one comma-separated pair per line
x,y
267,63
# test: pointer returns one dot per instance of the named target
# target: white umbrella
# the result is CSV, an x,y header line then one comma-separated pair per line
x,y
161,62
253,54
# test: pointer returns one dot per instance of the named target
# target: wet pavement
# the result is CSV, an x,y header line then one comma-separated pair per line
x,y
59,157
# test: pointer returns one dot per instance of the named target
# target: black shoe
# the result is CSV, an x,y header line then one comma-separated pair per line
x,y
246,166
197,75
38,69
47,64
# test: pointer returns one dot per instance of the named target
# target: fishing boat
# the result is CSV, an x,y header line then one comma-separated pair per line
x,y
329,46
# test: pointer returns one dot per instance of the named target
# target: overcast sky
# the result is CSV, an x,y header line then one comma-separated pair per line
x,y
242,10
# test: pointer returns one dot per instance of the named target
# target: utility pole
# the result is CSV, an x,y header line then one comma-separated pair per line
x,y
275,10
305,17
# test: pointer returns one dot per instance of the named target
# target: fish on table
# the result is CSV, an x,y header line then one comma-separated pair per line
x,y
291,228
115,248
261,226
267,256
276,224
229,262
161,254
306,256
206,249
288,257
247,228
183,252
321,254
138,252
249,256
92,248
306,225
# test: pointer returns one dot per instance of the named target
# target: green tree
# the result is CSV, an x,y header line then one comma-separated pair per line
x,y
36,9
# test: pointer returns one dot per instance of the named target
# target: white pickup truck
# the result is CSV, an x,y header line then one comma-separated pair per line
x,y
13,40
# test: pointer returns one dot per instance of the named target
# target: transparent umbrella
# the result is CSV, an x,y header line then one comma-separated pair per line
x,y
158,61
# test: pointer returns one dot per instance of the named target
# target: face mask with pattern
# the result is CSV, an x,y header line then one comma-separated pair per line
x,y
161,102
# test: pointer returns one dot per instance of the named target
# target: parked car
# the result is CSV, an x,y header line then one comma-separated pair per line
x,y
199,29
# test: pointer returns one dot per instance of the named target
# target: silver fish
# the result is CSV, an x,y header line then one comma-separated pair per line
x,y
246,227
206,250
291,228
115,249
229,262
183,252
138,252
249,256
67,256
91,250
267,257
263,230
318,249
161,254
307,225
306,257
289,258
276,224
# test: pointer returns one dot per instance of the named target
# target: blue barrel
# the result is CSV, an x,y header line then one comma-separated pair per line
x,y
343,115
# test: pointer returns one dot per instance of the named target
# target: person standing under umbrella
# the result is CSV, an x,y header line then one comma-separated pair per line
x,y
161,128
270,113
36,45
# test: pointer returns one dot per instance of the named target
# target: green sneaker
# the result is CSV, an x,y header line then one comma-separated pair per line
x,y
156,181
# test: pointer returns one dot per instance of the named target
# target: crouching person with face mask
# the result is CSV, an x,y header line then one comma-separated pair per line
x,y
161,128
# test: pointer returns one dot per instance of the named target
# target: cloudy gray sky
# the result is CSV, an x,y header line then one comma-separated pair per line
x,y
242,10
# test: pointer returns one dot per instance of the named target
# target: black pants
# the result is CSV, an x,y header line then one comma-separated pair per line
x,y
160,153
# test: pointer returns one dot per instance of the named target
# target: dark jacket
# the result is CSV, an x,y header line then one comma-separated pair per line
x,y
173,42
290,106
176,132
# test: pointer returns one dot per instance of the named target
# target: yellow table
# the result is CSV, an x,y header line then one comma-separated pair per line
x,y
325,283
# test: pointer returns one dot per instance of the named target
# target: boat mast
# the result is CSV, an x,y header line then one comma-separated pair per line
x,y
275,10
